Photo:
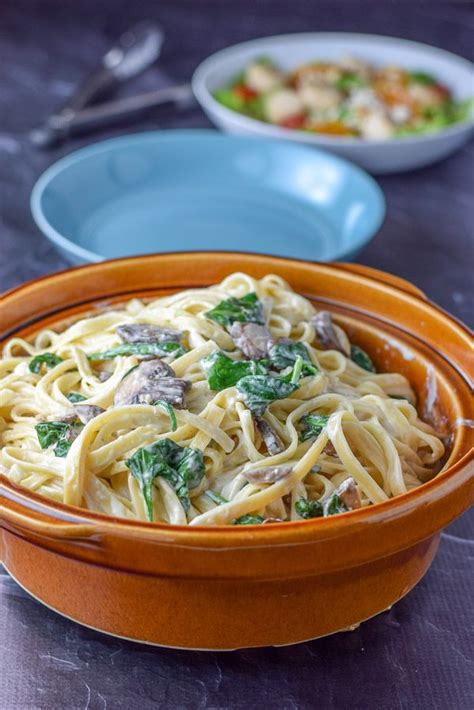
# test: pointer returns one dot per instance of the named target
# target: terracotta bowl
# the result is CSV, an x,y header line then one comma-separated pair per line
x,y
233,587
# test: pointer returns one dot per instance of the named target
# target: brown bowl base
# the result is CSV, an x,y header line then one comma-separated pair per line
x,y
175,611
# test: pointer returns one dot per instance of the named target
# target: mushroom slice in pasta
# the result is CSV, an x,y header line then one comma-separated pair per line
x,y
86,412
150,381
147,333
252,339
272,441
269,474
329,449
348,493
327,334
104,375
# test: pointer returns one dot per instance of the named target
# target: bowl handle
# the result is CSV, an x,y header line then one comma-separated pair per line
x,y
389,279
21,523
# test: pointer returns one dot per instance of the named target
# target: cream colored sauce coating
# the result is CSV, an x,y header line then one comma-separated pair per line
x,y
379,441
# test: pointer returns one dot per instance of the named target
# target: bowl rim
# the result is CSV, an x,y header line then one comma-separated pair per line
x,y
207,101
373,189
397,506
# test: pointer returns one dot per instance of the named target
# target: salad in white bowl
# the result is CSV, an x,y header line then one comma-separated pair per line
x,y
386,103
348,97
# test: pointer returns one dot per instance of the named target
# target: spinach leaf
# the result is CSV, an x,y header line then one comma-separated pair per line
x,y
215,497
169,411
361,358
334,505
259,390
285,354
294,375
182,466
75,397
49,433
309,508
157,349
190,464
317,509
249,520
222,372
48,359
59,434
247,309
312,425
62,447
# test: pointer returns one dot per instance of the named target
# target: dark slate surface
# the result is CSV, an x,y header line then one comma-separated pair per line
x,y
418,655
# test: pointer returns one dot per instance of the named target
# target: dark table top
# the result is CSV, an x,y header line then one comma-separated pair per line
x,y
418,655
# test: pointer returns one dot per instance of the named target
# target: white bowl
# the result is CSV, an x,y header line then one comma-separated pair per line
x,y
288,51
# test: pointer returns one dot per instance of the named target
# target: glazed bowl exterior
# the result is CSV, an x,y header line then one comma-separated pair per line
x,y
234,587
289,51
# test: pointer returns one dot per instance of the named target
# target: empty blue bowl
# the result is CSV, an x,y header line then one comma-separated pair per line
x,y
184,190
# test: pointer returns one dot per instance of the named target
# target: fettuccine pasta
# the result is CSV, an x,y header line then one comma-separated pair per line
x,y
234,404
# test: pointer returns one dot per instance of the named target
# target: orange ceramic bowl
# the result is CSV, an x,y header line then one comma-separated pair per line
x,y
231,587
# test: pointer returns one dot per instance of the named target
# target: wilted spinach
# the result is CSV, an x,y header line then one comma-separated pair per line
x,y
334,504
249,520
182,466
312,425
284,355
309,508
75,397
318,509
169,411
259,390
222,372
60,434
361,358
141,349
247,309
48,359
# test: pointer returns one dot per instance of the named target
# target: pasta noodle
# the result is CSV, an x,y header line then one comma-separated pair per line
x,y
211,449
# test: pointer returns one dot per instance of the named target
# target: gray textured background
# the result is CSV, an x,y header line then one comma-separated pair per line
x,y
419,655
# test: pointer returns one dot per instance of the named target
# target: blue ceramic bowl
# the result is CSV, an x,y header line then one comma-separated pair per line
x,y
195,189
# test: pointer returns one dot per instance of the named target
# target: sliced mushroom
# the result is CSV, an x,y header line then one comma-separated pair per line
x,y
272,441
327,334
349,494
147,333
270,474
431,410
67,418
252,339
150,381
329,449
86,412
104,375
